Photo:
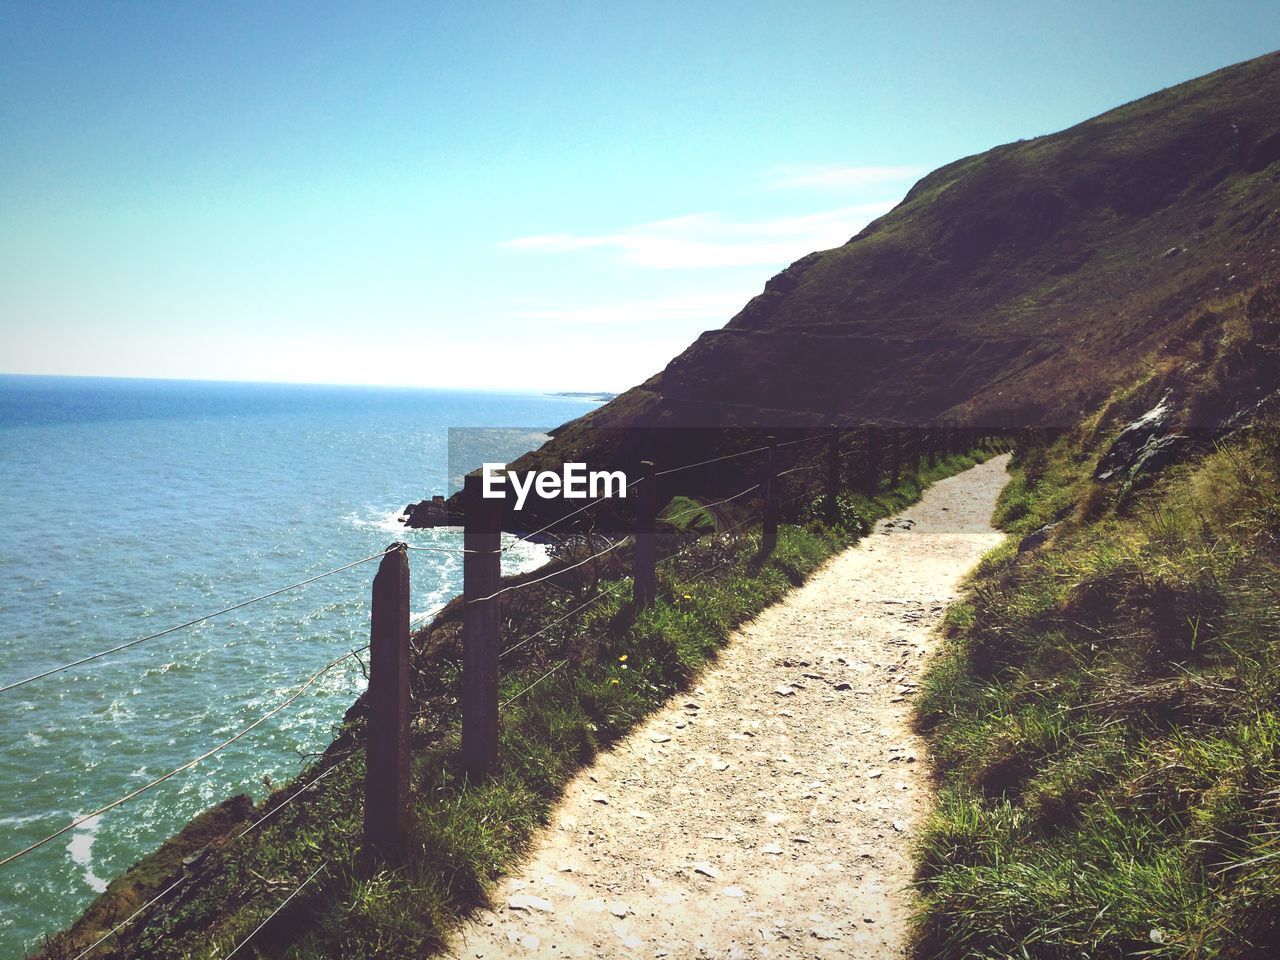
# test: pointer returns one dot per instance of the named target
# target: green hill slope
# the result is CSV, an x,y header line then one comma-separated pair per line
x,y
1025,281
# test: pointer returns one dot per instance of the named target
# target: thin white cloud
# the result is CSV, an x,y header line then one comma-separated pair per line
x,y
708,240
834,177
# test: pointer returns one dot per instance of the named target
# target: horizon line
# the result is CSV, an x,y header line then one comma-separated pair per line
x,y
305,383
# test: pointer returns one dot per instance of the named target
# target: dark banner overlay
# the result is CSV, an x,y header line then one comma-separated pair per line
x,y
698,479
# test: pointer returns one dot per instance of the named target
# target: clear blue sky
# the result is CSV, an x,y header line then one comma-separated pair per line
x,y
551,195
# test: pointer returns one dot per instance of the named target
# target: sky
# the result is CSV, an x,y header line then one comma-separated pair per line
x,y
540,196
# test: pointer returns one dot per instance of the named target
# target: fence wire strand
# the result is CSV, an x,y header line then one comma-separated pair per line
x,y
703,463
606,592
812,466
550,576
543,529
190,623
284,903
510,700
129,919
186,766
717,503
293,796
792,443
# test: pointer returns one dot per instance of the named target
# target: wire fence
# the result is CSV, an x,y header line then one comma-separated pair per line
x,y
391,626
190,623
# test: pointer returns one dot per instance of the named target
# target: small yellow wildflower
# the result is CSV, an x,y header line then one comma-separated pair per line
x,y
623,658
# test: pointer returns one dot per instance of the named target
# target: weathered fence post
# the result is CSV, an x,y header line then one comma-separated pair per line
x,y
769,522
833,477
386,783
646,574
481,626
917,437
871,461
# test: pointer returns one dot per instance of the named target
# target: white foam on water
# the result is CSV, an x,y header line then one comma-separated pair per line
x,y
80,846
521,556
386,522
20,821
170,667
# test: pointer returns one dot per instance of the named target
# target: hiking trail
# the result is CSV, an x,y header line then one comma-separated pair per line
x,y
771,811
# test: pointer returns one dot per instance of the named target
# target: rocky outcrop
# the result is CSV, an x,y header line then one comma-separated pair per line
x,y
1147,446
1131,446
429,513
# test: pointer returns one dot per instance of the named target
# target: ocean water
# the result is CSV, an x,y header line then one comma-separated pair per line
x,y
127,506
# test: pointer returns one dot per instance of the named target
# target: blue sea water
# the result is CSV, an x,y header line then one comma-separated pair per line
x,y
127,506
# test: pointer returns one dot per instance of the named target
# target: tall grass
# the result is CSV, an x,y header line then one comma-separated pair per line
x,y
1106,719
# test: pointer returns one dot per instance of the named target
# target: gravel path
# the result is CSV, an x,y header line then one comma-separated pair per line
x,y
771,812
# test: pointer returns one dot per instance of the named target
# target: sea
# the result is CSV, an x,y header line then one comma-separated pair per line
x,y
129,506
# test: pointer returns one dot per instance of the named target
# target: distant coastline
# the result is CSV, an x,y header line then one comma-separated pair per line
x,y
598,395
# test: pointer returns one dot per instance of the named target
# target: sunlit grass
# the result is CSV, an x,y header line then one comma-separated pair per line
x,y
1105,717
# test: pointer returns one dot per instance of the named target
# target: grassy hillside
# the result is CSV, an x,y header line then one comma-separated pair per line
x,y
1106,717
1020,285
1024,281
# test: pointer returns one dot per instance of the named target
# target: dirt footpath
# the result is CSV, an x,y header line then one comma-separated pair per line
x,y
771,812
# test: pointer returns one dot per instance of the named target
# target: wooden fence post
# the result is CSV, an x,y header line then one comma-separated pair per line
x,y
386,784
917,437
769,522
833,477
646,574
871,461
481,626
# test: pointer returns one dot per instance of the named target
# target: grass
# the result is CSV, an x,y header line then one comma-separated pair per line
x,y
1105,718
617,668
